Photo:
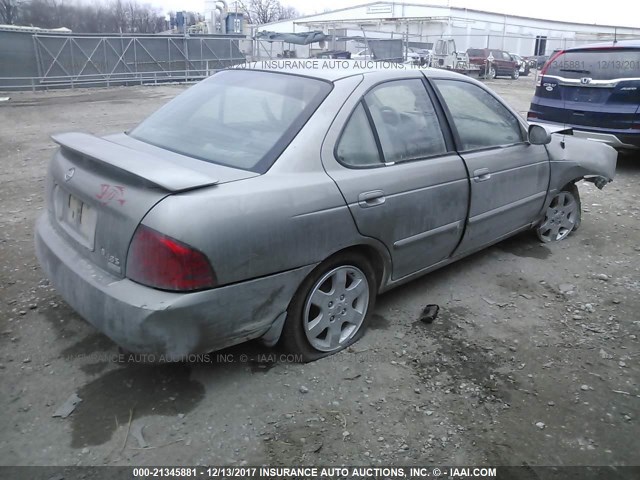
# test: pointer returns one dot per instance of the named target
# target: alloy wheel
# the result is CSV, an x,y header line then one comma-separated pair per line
x,y
335,308
560,219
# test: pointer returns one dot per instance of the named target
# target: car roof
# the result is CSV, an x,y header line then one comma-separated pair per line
x,y
612,44
336,69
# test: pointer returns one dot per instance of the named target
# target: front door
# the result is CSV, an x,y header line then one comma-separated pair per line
x,y
402,180
509,176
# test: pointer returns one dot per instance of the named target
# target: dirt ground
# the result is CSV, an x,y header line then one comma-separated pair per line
x,y
532,360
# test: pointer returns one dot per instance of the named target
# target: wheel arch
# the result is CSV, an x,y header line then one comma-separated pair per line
x,y
377,260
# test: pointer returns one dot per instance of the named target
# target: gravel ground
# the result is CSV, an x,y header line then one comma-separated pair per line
x,y
532,360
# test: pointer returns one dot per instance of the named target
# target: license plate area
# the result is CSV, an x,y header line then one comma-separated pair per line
x,y
588,94
78,218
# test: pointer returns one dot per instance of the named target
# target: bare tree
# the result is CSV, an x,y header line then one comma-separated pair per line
x,y
8,11
266,11
115,16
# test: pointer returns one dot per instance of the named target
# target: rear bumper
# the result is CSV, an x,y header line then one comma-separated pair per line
x,y
618,140
145,320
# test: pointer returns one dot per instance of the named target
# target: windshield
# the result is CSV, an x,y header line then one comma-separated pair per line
x,y
238,118
475,52
600,64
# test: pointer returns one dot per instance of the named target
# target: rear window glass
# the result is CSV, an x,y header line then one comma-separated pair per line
x,y
605,64
242,119
475,52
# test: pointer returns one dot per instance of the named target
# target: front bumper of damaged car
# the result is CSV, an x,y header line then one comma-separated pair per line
x,y
168,324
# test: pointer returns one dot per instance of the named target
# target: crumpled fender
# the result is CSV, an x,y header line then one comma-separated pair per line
x,y
572,159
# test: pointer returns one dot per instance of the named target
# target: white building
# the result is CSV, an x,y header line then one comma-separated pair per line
x,y
421,25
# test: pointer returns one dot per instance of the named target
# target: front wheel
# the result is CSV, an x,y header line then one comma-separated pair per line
x,y
562,217
330,309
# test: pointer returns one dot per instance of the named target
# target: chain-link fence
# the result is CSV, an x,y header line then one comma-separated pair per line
x,y
37,61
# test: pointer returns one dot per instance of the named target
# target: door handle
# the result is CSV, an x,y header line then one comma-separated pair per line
x,y
371,199
481,175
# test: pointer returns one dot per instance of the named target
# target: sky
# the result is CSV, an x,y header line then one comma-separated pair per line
x,y
609,12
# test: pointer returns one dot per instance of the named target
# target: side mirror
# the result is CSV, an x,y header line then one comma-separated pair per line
x,y
539,135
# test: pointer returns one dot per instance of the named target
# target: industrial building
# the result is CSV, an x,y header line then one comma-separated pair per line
x,y
421,25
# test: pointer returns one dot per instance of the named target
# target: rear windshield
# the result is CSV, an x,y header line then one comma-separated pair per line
x,y
475,52
238,118
604,64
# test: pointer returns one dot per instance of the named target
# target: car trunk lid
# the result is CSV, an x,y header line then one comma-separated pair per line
x,y
99,189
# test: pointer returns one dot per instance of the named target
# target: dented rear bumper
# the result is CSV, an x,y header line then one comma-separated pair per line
x,y
146,320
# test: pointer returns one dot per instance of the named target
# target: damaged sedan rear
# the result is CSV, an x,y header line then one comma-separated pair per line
x,y
278,204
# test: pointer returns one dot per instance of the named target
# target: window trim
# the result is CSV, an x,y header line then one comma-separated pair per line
x,y
443,121
373,131
454,128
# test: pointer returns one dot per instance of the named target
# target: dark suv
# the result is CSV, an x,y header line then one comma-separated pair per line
x,y
494,62
594,89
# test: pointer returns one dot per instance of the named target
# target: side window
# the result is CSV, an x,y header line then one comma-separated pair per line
x,y
357,146
480,119
405,121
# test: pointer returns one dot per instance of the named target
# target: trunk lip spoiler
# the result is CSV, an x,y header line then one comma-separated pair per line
x,y
165,174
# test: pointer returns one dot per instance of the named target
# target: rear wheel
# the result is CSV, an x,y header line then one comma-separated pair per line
x,y
562,217
330,309
516,73
490,73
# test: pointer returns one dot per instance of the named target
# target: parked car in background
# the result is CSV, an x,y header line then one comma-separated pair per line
x,y
362,55
341,54
494,63
525,68
419,56
595,90
537,61
277,203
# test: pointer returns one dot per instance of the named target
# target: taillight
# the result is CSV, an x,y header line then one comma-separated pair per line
x,y
159,261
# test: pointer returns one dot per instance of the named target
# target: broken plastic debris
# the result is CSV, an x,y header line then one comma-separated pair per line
x,y
68,407
429,313
137,433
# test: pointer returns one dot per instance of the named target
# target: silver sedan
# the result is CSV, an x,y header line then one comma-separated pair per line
x,y
276,203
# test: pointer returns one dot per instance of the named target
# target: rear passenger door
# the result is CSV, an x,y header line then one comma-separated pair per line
x,y
509,176
398,172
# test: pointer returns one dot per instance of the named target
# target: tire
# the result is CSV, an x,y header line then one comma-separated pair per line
x,y
516,74
490,73
563,216
336,311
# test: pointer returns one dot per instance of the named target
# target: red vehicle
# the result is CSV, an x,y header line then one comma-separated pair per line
x,y
494,63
